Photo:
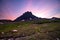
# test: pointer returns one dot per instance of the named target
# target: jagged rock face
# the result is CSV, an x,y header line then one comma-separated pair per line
x,y
26,17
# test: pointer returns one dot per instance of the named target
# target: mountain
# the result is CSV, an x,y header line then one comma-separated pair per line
x,y
5,20
27,16
55,18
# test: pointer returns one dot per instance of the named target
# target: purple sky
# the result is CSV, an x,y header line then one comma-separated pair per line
x,y
11,9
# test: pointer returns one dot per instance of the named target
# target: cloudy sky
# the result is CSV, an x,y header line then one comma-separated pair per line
x,y
11,9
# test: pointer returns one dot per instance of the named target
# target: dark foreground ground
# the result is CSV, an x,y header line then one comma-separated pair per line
x,y
30,31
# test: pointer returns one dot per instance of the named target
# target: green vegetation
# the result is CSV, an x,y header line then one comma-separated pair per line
x,y
34,30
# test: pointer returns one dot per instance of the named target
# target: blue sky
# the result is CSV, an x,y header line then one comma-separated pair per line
x,y
11,9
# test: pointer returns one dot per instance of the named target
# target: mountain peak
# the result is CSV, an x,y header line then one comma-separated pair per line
x,y
26,16
27,13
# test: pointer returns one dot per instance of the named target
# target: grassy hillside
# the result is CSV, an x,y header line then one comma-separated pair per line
x,y
32,30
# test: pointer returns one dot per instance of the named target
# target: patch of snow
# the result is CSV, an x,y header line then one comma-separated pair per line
x,y
14,30
2,32
23,20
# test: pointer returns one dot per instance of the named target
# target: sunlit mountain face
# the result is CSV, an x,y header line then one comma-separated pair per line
x,y
11,9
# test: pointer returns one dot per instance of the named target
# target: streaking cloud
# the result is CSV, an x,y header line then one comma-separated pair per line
x,y
11,9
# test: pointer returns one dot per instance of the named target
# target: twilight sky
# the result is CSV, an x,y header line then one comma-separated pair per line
x,y
11,9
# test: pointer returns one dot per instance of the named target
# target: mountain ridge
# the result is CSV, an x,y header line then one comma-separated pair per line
x,y
27,16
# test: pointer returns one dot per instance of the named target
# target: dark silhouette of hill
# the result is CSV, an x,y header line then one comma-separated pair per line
x,y
5,20
27,16
55,18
